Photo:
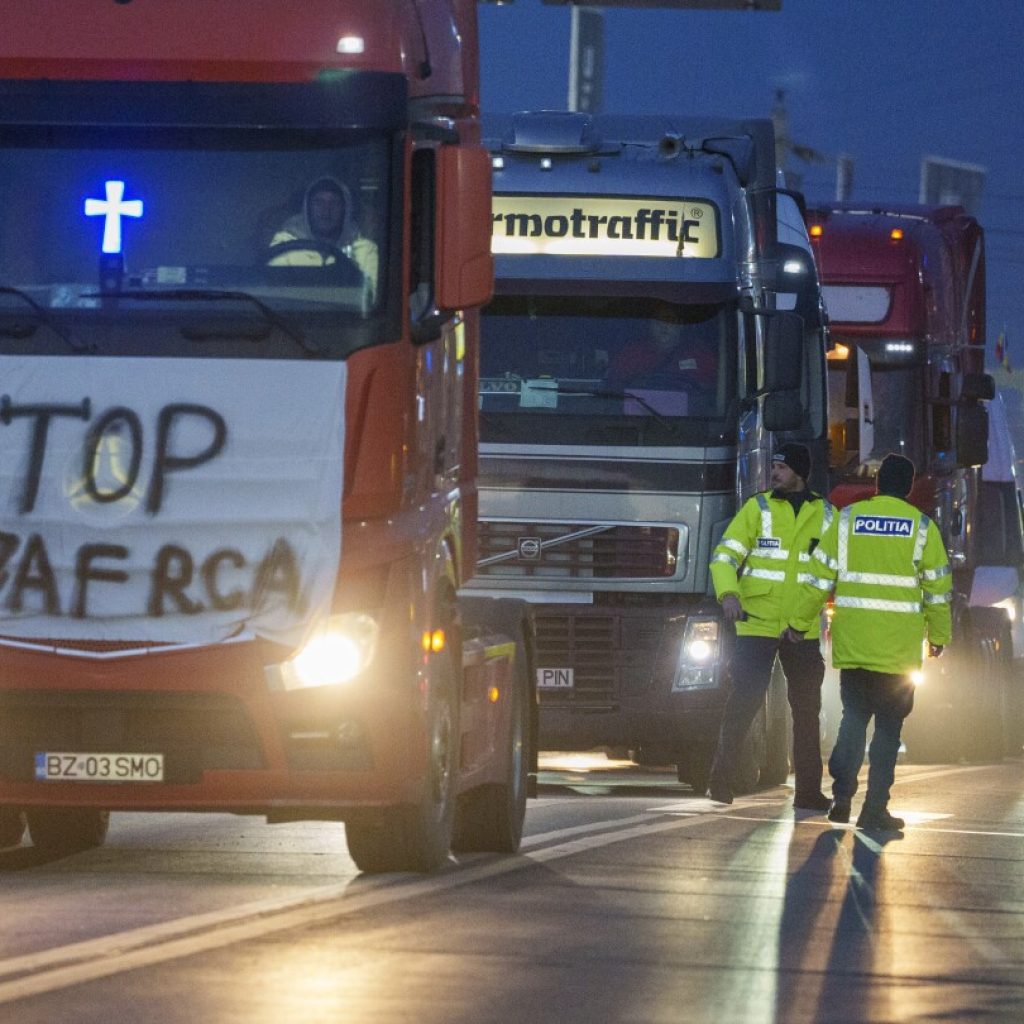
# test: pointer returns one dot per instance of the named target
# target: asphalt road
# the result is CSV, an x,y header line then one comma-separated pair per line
x,y
632,900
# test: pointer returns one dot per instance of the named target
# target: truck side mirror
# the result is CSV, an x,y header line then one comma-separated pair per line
x,y
788,268
783,410
783,352
978,387
972,434
465,267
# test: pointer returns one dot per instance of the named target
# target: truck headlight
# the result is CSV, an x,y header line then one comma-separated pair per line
x,y
338,652
698,655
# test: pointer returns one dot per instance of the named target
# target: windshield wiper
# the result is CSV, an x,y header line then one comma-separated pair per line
x,y
620,395
217,295
45,317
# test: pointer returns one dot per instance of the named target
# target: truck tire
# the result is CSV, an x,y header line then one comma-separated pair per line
x,y
1013,696
418,837
775,767
752,755
1013,709
490,818
981,689
933,733
12,827
693,766
63,830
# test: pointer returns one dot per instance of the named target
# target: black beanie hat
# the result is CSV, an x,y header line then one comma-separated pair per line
x,y
895,476
796,456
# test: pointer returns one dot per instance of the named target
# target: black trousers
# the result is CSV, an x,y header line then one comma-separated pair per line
x,y
751,668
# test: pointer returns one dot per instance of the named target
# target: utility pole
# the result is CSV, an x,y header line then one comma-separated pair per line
x,y
844,177
586,60
786,147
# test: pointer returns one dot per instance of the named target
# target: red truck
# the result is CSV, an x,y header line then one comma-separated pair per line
x,y
905,291
242,250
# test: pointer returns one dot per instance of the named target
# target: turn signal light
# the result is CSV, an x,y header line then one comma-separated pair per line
x,y
433,641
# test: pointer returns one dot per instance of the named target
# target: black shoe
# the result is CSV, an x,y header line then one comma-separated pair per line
x,y
839,811
720,794
812,802
880,821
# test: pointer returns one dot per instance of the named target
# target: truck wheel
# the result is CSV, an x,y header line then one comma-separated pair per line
x,y
775,767
418,837
693,766
981,689
1013,697
12,826
490,817
1013,721
62,830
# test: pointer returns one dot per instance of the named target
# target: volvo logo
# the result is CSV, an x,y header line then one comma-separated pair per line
x,y
529,548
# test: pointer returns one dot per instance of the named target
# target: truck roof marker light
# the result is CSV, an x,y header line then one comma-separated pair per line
x,y
896,234
899,347
815,231
112,209
351,44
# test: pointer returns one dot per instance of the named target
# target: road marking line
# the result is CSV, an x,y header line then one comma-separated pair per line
x,y
48,971
77,963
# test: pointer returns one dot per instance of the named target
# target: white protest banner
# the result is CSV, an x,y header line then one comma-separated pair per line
x,y
168,500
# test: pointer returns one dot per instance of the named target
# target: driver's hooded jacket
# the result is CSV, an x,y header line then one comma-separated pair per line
x,y
765,555
297,228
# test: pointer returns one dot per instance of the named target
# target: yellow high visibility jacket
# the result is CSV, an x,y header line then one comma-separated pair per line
x,y
764,556
886,563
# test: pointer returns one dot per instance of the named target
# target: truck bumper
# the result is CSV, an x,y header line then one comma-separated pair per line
x,y
229,742
623,663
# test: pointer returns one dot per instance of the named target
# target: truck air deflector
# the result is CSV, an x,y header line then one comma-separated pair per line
x,y
357,100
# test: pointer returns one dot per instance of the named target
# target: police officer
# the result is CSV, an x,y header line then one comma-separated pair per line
x,y
887,565
757,570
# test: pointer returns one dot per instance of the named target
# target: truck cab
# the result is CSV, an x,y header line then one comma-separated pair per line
x,y
656,325
905,290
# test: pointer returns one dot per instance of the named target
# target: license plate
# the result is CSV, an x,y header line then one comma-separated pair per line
x,y
62,766
555,678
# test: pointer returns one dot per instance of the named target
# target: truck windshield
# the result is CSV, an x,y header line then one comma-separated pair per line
x,y
578,370
889,403
297,221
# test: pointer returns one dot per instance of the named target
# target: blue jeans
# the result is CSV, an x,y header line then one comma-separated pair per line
x,y
889,698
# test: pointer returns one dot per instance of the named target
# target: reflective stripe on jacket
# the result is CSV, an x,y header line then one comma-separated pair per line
x,y
764,556
885,562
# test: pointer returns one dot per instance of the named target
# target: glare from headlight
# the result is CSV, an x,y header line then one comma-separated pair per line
x,y
698,650
328,658
917,677
337,653
697,655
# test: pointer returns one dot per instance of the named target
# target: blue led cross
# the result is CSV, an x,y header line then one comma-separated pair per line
x,y
113,209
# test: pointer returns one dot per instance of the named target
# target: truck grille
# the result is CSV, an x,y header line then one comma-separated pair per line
x,y
525,550
195,732
610,654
